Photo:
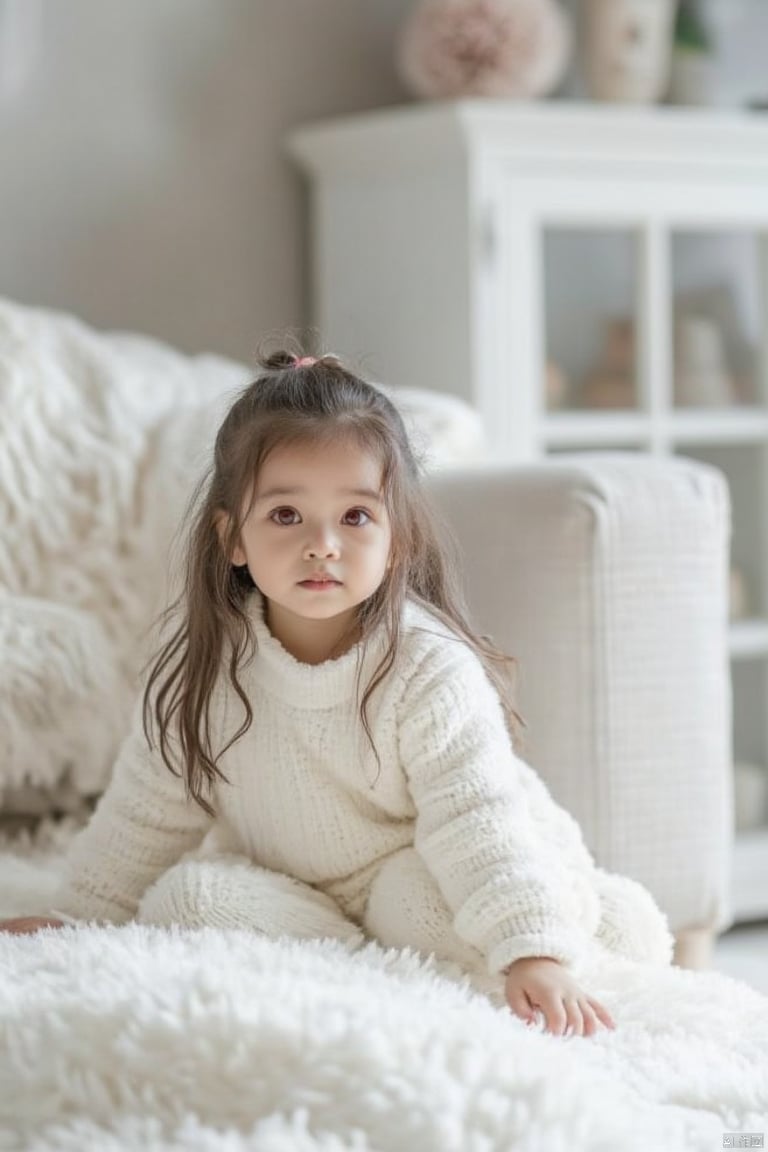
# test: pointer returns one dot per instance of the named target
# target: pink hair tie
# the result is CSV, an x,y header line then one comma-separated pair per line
x,y
304,362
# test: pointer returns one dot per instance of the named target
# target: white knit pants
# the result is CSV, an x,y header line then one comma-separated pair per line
x,y
403,908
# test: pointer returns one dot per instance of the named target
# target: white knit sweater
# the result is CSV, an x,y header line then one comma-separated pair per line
x,y
305,796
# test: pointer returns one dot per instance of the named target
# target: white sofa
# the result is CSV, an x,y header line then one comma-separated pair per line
x,y
605,576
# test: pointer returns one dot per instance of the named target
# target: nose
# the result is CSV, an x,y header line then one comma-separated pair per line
x,y
322,546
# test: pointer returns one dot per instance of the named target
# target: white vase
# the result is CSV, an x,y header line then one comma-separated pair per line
x,y
693,78
701,372
627,49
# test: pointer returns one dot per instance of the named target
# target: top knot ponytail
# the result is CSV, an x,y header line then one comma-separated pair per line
x,y
281,360
277,361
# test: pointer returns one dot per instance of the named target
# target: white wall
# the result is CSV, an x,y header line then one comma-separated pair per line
x,y
143,182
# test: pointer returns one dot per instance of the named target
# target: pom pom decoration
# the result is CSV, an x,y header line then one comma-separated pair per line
x,y
501,48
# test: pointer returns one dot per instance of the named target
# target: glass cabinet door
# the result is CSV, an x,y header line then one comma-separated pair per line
x,y
719,397
590,280
655,338
718,318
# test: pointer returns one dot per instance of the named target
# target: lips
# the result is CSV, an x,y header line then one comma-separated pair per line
x,y
319,580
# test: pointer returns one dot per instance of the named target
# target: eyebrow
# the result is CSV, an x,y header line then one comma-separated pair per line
x,y
363,493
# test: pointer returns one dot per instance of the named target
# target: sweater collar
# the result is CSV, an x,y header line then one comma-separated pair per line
x,y
310,686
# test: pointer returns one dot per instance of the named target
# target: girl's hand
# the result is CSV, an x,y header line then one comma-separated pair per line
x,y
539,982
23,925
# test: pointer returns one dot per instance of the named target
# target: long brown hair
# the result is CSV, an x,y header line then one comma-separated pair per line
x,y
291,402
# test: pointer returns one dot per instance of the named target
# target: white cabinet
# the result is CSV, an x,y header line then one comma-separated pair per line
x,y
588,277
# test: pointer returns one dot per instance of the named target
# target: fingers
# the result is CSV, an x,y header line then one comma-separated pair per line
x,y
557,1016
566,1010
520,1004
552,1008
25,925
602,1013
591,1022
17,926
585,1015
575,1017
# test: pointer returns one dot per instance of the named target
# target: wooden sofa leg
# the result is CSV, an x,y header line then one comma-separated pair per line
x,y
694,948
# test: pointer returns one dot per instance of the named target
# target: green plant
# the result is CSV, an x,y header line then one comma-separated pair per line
x,y
691,31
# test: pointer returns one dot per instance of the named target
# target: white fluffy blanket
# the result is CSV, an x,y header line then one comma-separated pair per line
x,y
134,1038
95,468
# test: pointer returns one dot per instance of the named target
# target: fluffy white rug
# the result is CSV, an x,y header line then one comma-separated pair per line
x,y
134,1038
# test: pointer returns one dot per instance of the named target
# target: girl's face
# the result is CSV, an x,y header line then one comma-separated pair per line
x,y
317,513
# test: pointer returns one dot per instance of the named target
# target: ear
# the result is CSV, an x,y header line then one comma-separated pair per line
x,y
237,557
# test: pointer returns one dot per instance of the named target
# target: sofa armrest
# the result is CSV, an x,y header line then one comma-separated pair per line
x,y
605,575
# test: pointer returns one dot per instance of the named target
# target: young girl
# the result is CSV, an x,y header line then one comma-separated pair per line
x,y
325,747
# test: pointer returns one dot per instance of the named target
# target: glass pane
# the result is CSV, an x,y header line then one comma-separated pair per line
x,y
744,468
564,450
750,692
718,301
590,294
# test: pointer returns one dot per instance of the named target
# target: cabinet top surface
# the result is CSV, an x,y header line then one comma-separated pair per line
x,y
426,132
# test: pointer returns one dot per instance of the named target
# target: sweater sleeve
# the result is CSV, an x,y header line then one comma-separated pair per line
x,y
504,882
141,826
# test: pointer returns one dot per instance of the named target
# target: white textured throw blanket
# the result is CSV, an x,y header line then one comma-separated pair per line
x,y
120,1039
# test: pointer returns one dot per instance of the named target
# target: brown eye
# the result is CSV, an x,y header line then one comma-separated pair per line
x,y
283,516
357,513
